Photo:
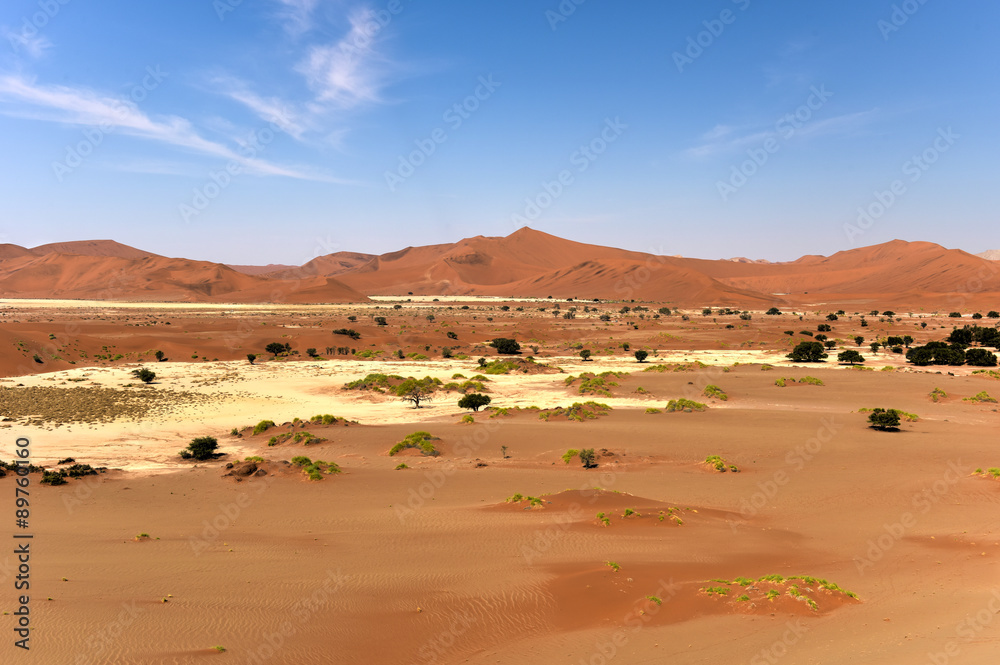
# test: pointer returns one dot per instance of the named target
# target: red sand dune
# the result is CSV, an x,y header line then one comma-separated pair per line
x,y
154,278
527,263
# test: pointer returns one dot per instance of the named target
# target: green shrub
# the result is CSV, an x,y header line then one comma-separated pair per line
x,y
884,419
202,448
263,426
684,404
420,440
716,392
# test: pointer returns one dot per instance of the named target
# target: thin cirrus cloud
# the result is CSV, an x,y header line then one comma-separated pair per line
x,y
297,15
341,76
350,71
35,46
723,139
67,105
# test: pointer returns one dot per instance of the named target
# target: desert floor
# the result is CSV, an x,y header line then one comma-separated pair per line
x,y
431,563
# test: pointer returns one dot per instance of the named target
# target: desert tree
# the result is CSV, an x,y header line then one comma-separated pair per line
x,y
810,352
859,340
274,348
640,356
850,357
201,448
251,357
159,356
144,375
884,420
416,391
506,346
585,354
589,458
474,401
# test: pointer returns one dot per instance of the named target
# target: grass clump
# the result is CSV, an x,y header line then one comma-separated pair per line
x,y
519,498
715,392
324,419
653,410
938,394
596,384
377,382
982,397
419,440
577,411
685,405
401,466
568,456
263,426
613,565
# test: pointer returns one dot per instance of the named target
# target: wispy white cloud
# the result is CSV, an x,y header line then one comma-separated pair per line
x,y
723,139
350,71
297,15
66,105
281,113
34,46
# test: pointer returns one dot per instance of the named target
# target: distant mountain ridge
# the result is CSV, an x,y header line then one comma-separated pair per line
x,y
526,263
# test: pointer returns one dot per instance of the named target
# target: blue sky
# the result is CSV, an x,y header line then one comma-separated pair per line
x,y
260,131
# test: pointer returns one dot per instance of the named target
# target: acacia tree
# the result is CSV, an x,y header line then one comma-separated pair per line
x,y
851,357
585,354
474,401
641,355
144,375
809,352
416,391
884,420
589,458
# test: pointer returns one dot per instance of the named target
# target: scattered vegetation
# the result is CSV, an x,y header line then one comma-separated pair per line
x,y
201,448
685,405
720,464
715,392
982,397
419,440
577,411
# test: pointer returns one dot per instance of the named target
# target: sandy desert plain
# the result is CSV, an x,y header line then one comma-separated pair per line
x,y
833,542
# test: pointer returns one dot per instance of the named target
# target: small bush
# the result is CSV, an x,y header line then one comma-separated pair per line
x,y
420,440
263,426
716,392
884,420
685,405
202,448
